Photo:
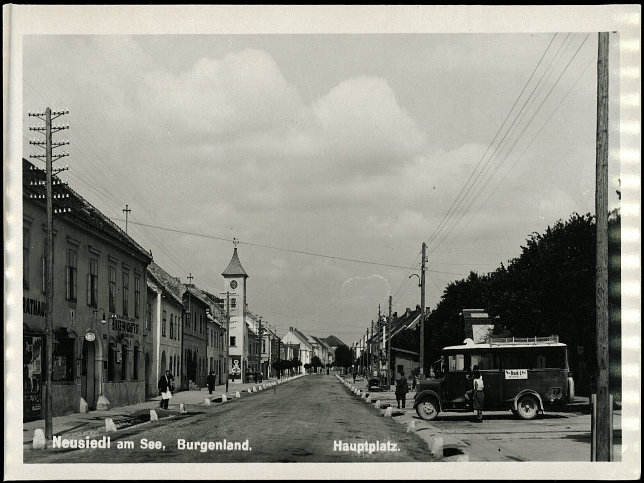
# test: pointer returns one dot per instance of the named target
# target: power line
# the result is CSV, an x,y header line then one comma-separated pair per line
x,y
449,213
483,185
213,237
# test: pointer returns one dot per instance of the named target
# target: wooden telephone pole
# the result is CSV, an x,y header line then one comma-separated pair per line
x,y
389,345
422,312
49,158
603,406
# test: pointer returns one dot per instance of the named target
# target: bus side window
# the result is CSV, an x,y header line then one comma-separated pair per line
x,y
486,360
512,360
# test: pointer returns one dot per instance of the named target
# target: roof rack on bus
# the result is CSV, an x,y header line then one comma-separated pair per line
x,y
553,339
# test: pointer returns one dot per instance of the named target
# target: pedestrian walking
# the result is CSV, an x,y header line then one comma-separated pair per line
x,y
401,390
478,399
165,389
414,381
327,371
210,381
354,375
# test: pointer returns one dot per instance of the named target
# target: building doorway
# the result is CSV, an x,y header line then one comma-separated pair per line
x,y
89,380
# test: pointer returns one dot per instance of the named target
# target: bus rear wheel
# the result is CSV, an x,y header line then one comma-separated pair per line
x,y
527,407
427,409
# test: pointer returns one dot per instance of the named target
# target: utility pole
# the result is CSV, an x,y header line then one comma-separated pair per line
x,y
49,145
422,313
127,210
603,408
371,351
260,346
389,345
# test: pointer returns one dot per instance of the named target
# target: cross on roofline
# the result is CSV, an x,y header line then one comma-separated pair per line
x,y
235,242
190,277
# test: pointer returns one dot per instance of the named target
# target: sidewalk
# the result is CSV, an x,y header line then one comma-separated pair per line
x,y
125,416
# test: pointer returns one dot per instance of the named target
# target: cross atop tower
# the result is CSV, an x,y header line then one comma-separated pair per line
x,y
235,242
190,277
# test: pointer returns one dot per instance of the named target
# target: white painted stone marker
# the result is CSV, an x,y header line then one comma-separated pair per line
x,y
237,395
39,441
389,412
224,398
109,425
83,407
206,401
463,458
377,404
411,426
182,408
437,447
153,415
369,398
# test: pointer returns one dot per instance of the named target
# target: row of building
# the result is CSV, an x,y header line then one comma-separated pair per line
x,y
120,320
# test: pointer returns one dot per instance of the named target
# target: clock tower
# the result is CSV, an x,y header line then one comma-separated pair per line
x,y
235,286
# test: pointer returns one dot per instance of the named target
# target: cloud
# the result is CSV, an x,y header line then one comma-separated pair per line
x,y
364,126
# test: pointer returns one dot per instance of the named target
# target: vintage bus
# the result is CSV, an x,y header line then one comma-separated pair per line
x,y
523,375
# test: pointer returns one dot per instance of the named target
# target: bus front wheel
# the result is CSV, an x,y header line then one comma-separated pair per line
x,y
427,409
527,407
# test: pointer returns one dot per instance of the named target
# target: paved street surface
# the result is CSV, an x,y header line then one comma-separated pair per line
x,y
555,436
310,419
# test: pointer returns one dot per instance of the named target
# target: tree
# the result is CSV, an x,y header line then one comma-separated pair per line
x,y
307,366
316,363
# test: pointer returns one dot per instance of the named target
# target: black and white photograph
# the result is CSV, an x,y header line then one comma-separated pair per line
x,y
301,236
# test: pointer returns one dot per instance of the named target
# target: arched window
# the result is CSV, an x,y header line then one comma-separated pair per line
x,y
135,374
124,362
111,360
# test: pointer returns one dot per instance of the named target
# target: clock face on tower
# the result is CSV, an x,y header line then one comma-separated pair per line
x,y
233,284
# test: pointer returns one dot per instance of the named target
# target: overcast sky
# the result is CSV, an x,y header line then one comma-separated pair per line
x,y
351,146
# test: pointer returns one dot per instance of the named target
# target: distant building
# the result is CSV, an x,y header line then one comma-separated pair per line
x,y
195,338
305,349
165,307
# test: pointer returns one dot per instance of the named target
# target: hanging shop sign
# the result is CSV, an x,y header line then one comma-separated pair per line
x,y
126,326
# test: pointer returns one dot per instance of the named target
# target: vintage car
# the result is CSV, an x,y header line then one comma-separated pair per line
x,y
524,376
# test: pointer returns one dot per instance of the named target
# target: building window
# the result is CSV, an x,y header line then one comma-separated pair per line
x,y
63,360
126,291
163,322
111,360
43,273
233,341
263,346
200,324
137,295
178,328
92,283
148,316
171,327
135,373
71,274
26,242
123,363
112,291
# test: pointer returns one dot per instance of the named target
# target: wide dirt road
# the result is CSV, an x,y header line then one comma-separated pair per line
x,y
299,421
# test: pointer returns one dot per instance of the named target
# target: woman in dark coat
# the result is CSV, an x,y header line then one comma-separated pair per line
x,y
165,389
478,399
